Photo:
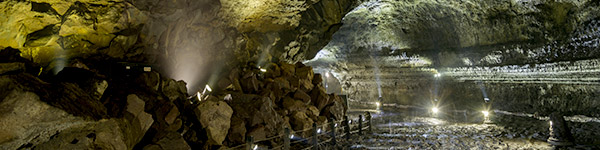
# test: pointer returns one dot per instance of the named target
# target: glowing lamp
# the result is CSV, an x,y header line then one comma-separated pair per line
x,y
199,96
208,88
437,75
435,110
485,113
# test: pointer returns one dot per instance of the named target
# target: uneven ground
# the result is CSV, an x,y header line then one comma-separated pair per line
x,y
402,129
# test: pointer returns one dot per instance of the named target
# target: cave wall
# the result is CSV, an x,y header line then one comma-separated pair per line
x,y
195,41
514,48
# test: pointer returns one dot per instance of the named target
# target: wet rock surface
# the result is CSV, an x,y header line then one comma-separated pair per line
x,y
401,130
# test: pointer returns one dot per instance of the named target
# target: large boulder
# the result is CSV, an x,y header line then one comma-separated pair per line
x,y
174,89
305,72
287,69
301,95
237,132
300,121
320,99
336,110
215,117
140,121
28,122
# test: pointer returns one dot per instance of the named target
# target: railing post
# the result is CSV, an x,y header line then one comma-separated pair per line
x,y
369,117
332,125
286,139
346,124
315,137
360,126
249,143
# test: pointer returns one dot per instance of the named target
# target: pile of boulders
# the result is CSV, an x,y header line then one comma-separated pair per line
x,y
87,105
262,102
102,105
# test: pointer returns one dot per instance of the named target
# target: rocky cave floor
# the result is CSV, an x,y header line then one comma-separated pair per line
x,y
397,129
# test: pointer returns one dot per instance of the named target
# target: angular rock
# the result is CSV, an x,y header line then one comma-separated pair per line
x,y
140,120
287,70
305,73
320,99
215,117
283,84
251,84
174,89
136,106
336,110
258,133
237,132
273,71
292,105
312,112
305,85
103,134
150,80
27,122
172,115
301,95
300,121
235,79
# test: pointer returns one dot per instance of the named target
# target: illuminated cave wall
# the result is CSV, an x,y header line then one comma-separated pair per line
x,y
530,56
196,41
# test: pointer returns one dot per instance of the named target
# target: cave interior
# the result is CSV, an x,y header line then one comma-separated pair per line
x,y
230,74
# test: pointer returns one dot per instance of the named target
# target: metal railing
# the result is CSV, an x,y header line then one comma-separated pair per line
x,y
318,137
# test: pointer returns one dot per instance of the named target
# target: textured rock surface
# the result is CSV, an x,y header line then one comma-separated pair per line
x,y
215,118
394,49
535,57
175,35
45,30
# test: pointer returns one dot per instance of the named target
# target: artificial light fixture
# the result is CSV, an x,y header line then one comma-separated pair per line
x,y
435,110
437,75
199,96
318,130
207,88
485,113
